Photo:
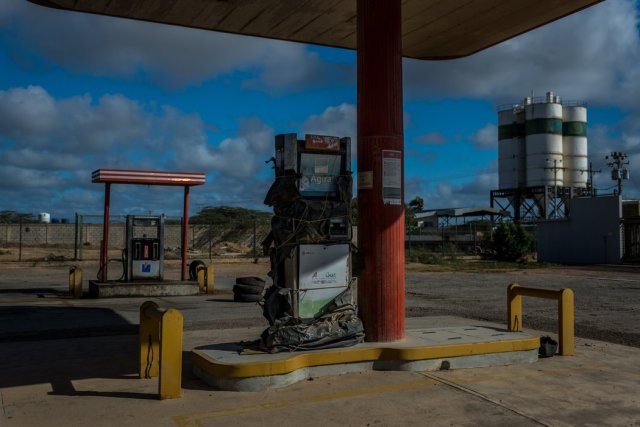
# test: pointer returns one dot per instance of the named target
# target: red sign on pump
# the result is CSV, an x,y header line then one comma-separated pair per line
x,y
322,142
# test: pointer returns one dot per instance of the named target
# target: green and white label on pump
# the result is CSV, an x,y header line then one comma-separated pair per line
x,y
392,177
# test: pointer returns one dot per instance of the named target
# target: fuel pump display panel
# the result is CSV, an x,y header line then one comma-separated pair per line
x,y
319,174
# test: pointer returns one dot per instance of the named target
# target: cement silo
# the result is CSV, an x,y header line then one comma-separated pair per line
x,y
574,145
542,157
511,147
543,129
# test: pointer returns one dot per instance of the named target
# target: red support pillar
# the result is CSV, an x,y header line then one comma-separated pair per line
x,y
185,233
104,247
380,139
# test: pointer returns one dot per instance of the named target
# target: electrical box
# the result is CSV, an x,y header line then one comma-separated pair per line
x,y
145,247
625,173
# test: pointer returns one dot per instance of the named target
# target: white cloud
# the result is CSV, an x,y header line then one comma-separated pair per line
x,y
422,157
238,157
432,138
591,55
27,113
339,120
168,55
54,157
33,118
486,137
447,194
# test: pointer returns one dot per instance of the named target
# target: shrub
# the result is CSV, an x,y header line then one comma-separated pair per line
x,y
511,242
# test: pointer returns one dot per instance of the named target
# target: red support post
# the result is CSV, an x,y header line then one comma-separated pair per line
x,y
104,247
380,187
185,233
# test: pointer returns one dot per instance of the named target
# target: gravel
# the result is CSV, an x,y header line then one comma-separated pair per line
x,y
33,301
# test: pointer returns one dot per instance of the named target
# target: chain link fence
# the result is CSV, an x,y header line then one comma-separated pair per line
x,y
432,244
27,239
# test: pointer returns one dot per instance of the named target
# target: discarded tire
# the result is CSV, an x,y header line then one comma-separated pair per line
x,y
251,281
247,289
193,269
247,297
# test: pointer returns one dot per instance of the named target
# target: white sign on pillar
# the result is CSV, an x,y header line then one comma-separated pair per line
x,y
392,177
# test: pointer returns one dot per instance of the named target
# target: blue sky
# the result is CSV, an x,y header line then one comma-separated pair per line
x,y
80,92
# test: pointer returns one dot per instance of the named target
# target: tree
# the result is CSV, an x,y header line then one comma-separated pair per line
x,y
512,242
13,217
410,220
417,204
226,214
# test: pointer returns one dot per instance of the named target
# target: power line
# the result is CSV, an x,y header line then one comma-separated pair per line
x,y
591,172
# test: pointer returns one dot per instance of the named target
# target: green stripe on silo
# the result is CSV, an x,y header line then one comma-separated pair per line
x,y
506,132
574,129
536,126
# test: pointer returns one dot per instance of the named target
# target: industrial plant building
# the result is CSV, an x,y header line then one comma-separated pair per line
x,y
545,178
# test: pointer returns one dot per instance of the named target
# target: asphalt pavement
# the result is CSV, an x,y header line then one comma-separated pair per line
x,y
69,362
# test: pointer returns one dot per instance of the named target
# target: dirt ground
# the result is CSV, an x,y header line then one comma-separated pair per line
x,y
67,253
607,306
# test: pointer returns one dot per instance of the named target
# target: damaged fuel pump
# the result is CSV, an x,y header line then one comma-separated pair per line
x,y
310,304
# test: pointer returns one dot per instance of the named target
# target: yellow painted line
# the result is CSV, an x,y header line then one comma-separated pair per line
x,y
292,363
195,420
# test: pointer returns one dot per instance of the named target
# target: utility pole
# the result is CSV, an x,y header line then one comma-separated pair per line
x,y
555,172
591,172
616,161
554,200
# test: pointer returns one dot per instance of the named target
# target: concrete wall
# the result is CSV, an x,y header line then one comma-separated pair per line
x,y
91,234
592,234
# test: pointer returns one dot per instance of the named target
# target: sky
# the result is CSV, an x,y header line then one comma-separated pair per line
x,y
80,92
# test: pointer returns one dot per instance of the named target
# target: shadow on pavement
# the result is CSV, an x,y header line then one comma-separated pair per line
x,y
29,322
43,345
35,291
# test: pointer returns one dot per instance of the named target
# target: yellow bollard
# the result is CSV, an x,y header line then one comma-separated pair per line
x,y
566,333
210,278
205,277
170,383
514,309
201,275
75,281
161,348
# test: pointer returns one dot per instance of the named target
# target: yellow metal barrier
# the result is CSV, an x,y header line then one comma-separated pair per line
x,y
161,348
564,297
205,278
75,281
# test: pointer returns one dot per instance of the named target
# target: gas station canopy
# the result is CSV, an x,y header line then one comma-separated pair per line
x,y
431,29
